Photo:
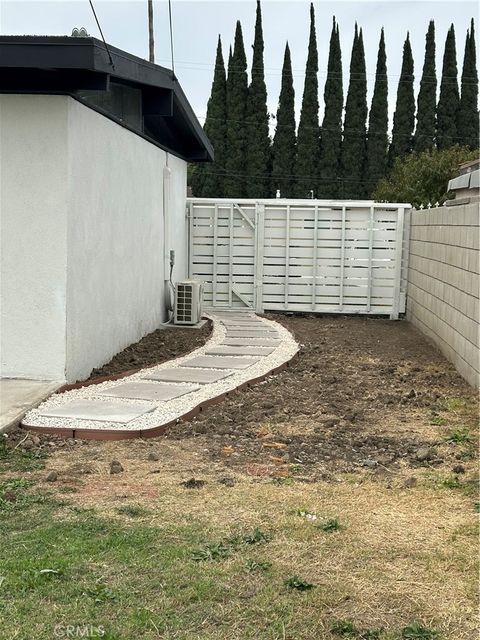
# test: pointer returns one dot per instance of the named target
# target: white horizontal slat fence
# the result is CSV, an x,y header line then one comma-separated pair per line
x,y
301,255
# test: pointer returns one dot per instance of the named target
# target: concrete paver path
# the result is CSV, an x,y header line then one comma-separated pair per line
x,y
243,348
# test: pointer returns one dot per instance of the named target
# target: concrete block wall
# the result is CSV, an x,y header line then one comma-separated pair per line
x,y
444,282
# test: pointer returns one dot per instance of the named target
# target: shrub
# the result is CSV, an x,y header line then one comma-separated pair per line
x,y
422,178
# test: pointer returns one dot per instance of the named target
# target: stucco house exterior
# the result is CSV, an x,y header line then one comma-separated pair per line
x,y
94,145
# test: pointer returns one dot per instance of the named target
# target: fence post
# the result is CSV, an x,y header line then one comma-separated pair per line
x,y
259,253
398,264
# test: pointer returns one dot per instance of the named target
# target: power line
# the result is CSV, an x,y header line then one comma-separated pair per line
x,y
171,36
190,64
101,33
288,176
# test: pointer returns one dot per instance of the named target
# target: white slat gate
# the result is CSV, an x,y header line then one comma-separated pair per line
x,y
301,255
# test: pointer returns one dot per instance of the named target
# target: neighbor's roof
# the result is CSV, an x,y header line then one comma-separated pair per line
x,y
63,64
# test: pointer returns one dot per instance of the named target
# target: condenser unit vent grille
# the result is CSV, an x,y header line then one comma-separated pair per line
x,y
188,302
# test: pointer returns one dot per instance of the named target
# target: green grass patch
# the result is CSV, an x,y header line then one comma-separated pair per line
x,y
16,495
12,459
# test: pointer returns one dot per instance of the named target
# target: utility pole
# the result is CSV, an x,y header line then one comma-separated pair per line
x,y
151,44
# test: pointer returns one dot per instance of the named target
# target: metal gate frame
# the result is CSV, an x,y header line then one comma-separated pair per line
x,y
257,224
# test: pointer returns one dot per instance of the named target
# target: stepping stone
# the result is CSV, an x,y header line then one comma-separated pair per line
x,y
242,324
239,351
149,391
102,410
220,362
251,342
237,316
185,374
251,333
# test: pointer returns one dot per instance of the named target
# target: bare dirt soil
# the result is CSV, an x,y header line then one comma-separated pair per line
x,y
363,392
155,348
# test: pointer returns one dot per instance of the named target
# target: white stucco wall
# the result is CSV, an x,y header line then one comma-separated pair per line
x,y
33,210
177,222
92,208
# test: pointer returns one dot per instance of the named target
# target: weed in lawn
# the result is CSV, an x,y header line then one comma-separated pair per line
x,y
257,537
34,579
298,583
100,593
225,548
257,566
329,525
451,483
295,468
455,405
344,628
458,436
304,513
132,510
416,631
438,421
476,507
214,551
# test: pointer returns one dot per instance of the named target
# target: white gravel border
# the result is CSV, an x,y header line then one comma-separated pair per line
x,y
172,409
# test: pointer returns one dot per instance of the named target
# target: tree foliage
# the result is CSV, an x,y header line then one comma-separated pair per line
x,y
237,92
377,141
308,128
258,158
468,113
284,142
449,100
422,178
208,178
427,97
354,126
331,131
404,116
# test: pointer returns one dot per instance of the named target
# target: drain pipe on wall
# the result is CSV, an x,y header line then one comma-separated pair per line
x,y
168,254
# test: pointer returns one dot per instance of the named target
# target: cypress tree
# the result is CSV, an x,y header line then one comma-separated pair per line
x,y
377,141
331,131
354,126
449,101
404,116
424,139
207,178
308,128
237,91
468,115
284,142
258,139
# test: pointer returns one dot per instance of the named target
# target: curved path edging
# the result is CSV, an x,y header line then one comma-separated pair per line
x,y
91,433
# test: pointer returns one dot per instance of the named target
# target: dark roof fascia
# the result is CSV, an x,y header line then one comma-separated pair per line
x,y
65,52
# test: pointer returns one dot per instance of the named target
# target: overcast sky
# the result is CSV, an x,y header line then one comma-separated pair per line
x,y
196,25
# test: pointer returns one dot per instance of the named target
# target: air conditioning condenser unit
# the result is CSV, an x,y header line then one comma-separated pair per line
x,y
188,302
